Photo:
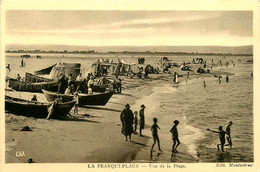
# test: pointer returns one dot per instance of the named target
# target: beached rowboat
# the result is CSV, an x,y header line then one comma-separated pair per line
x,y
99,99
32,87
36,109
29,77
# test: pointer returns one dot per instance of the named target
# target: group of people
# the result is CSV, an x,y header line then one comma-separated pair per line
x,y
128,119
198,61
69,85
219,78
222,134
141,60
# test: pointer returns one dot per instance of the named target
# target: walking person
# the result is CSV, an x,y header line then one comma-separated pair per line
x,y
204,84
142,122
188,75
8,67
22,63
126,118
174,77
175,136
228,137
219,79
227,78
222,134
155,135
177,79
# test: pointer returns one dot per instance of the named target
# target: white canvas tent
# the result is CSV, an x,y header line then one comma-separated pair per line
x,y
55,70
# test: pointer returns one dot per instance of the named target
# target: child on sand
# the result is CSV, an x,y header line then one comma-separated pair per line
x,y
155,134
221,133
175,136
135,122
34,98
227,78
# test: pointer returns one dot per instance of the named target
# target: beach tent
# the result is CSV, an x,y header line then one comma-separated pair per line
x,y
45,71
95,67
65,68
55,70
103,67
115,60
126,67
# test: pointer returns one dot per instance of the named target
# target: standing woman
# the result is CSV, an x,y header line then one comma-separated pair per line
x,y
141,114
126,118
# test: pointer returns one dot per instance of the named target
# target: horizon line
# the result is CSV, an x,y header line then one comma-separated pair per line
x,y
137,45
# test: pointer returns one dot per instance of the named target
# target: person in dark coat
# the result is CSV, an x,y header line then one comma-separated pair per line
x,y
141,114
127,118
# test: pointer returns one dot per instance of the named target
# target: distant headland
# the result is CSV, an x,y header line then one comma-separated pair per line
x,y
134,50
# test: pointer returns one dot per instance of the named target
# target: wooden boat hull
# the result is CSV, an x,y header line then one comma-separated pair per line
x,y
83,87
99,99
32,87
36,109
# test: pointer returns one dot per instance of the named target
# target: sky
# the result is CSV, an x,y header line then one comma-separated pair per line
x,y
129,28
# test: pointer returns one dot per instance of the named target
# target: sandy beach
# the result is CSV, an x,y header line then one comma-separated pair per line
x,y
94,135
50,136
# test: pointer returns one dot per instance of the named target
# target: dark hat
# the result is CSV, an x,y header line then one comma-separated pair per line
x,y
230,122
143,106
127,105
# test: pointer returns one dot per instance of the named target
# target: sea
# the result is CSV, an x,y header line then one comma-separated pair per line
x,y
195,106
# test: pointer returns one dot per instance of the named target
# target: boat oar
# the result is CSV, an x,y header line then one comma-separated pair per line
x,y
51,110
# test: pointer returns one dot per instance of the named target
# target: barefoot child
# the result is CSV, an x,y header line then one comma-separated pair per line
x,y
155,134
221,133
228,130
135,122
175,136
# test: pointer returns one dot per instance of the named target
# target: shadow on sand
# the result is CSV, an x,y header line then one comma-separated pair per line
x,y
130,95
73,118
138,143
157,155
100,108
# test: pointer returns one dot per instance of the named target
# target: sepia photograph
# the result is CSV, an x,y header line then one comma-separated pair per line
x,y
124,88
